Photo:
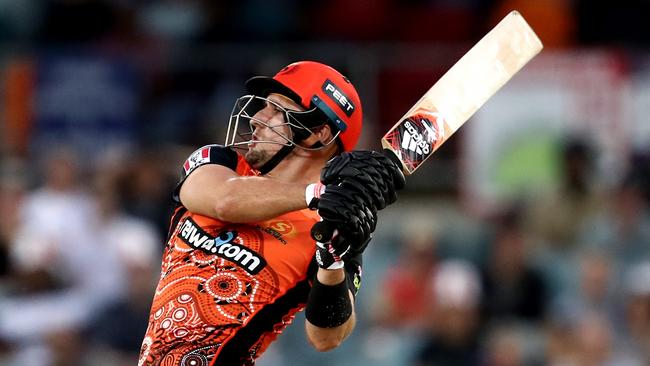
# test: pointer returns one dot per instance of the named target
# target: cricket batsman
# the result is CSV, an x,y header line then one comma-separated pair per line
x,y
240,260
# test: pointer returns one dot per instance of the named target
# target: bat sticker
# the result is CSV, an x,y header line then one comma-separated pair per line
x,y
417,136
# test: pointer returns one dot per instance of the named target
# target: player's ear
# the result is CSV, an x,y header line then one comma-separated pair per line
x,y
330,133
326,137
324,133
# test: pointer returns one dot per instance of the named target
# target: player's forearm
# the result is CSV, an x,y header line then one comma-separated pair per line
x,y
251,199
325,339
220,193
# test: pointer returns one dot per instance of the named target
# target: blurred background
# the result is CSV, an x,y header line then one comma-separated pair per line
x,y
524,241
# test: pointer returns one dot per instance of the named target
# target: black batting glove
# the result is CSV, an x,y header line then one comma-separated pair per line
x,y
348,212
374,171
356,185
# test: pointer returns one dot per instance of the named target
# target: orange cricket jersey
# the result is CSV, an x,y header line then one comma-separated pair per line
x,y
227,290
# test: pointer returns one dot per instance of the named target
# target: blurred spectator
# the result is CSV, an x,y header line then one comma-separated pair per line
x,y
405,293
504,347
555,218
400,305
513,289
453,337
55,232
13,188
593,340
65,271
117,329
637,312
594,292
176,108
622,230
146,185
590,341
585,328
116,334
66,347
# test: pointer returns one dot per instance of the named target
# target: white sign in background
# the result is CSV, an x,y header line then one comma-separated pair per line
x,y
511,146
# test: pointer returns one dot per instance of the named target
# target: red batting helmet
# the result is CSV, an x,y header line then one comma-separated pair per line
x,y
312,84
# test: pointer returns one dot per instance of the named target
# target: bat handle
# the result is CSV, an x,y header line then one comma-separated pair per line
x,y
323,231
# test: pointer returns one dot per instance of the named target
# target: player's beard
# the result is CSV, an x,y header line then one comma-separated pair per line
x,y
256,158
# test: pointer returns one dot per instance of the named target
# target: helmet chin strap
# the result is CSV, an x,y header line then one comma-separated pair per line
x,y
276,159
311,140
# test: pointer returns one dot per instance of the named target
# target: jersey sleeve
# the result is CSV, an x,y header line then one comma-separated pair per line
x,y
209,154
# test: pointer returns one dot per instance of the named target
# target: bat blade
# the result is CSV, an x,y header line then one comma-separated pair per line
x,y
461,91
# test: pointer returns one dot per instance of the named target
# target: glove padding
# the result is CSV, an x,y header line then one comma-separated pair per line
x,y
343,209
358,183
375,173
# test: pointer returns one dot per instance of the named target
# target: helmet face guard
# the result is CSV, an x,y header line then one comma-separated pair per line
x,y
326,96
300,123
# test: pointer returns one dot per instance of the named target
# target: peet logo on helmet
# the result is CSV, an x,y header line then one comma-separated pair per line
x,y
339,97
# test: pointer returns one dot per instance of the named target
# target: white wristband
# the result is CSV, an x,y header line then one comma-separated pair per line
x,y
313,191
337,262
336,265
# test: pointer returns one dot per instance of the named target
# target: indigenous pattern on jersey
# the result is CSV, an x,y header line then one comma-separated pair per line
x,y
227,290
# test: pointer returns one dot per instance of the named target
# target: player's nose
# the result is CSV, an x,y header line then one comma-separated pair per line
x,y
257,127
256,124
261,117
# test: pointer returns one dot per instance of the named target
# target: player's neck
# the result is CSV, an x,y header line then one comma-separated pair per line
x,y
301,166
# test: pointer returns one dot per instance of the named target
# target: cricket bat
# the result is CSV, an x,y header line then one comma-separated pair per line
x,y
456,96
461,91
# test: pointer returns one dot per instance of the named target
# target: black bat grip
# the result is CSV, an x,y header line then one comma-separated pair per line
x,y
391,155
322,231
